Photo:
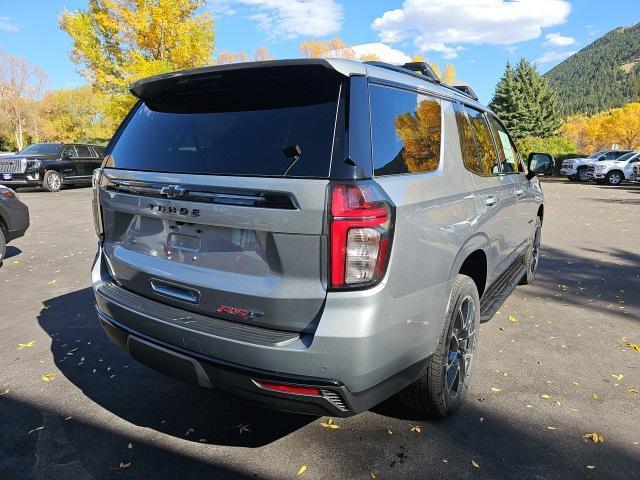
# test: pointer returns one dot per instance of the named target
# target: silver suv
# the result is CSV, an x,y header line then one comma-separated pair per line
x,y
312,235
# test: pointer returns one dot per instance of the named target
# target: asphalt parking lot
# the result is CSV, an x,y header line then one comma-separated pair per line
x,y
553,366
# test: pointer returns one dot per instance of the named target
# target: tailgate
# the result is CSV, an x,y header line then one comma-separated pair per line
x,y
244,249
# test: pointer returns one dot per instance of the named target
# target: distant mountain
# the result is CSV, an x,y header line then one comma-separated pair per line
x,y
605,74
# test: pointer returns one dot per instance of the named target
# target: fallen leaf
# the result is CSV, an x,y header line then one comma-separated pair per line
x,y
5,392
125,465
203,440
594,437
634,346
416,428
595,396
544,396
475,464
618,377
67,418
26,345
242,428
632,390
551,428
330,424
189,431
513,319
576,384
302,469
529,406
481,419
52,282
130,446
389,432
35,430
591,467
48,377
373,476
496,390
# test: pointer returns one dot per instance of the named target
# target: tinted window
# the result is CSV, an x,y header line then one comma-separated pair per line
x,y
507,152
42,149
476,143
70,151
242,127
83,151
406,131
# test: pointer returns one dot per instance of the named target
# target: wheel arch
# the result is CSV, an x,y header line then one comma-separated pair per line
x,y
472,260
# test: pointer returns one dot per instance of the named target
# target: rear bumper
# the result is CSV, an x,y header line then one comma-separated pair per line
x,y
352,374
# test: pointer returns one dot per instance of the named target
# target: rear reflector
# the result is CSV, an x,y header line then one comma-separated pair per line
x,y
285,388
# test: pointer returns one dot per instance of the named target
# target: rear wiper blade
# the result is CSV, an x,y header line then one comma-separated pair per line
x,y
293,152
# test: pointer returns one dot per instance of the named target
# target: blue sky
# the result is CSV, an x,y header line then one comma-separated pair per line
x,y
477,36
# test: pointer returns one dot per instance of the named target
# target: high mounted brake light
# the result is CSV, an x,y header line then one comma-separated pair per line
x,y
360,234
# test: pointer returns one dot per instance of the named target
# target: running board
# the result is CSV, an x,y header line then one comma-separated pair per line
x,y
497,293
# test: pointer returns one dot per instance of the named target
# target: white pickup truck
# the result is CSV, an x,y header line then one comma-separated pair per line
x,y
614,172
576,169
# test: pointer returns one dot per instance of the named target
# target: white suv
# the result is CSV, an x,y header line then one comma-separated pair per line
x,y
614,172
575,169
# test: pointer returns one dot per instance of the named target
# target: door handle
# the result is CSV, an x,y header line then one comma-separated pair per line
x,y
491,201
519,192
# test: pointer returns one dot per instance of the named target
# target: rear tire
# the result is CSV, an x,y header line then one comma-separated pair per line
x,y
444,386
3,244
52,181
532,255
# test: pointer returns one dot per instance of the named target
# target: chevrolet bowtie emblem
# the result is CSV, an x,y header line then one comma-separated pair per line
x,y
173,191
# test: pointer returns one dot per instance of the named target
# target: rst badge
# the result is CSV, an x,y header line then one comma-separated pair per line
x,y
237,312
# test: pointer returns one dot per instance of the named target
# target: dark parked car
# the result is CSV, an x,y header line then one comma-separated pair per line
x,y
14,218
51,165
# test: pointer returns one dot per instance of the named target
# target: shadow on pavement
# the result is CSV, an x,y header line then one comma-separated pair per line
x,y
11,251
144,397
504,446
571,277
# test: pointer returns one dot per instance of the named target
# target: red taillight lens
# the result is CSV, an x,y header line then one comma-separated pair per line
x,y
360,234
285,388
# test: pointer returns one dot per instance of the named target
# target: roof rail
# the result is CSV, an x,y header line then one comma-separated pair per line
x,y
410,69
467,90
424,71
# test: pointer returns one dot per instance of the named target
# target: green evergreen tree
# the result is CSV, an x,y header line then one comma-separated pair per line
x,y
526,103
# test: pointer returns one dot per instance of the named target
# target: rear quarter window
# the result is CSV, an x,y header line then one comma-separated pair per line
x,y
406,130
476,143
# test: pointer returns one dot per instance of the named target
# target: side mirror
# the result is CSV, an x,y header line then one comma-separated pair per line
x,y
538,163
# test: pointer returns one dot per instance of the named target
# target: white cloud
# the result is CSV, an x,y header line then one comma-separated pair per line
x,y
7,24
290,18
557,40
382,51
553,56
445,25
222,7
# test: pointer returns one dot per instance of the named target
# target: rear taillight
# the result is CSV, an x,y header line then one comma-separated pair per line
x,y
97,214
360,234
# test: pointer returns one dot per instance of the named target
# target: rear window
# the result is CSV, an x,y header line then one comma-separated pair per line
x,y
251,126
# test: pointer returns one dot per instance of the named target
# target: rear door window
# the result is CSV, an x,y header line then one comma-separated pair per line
x,y
476,143
255,128
406,130
508,155
83,151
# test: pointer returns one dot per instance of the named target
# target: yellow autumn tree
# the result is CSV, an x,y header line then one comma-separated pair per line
x,y
74,115
116,42
619,126
335,48
420,134
226,56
